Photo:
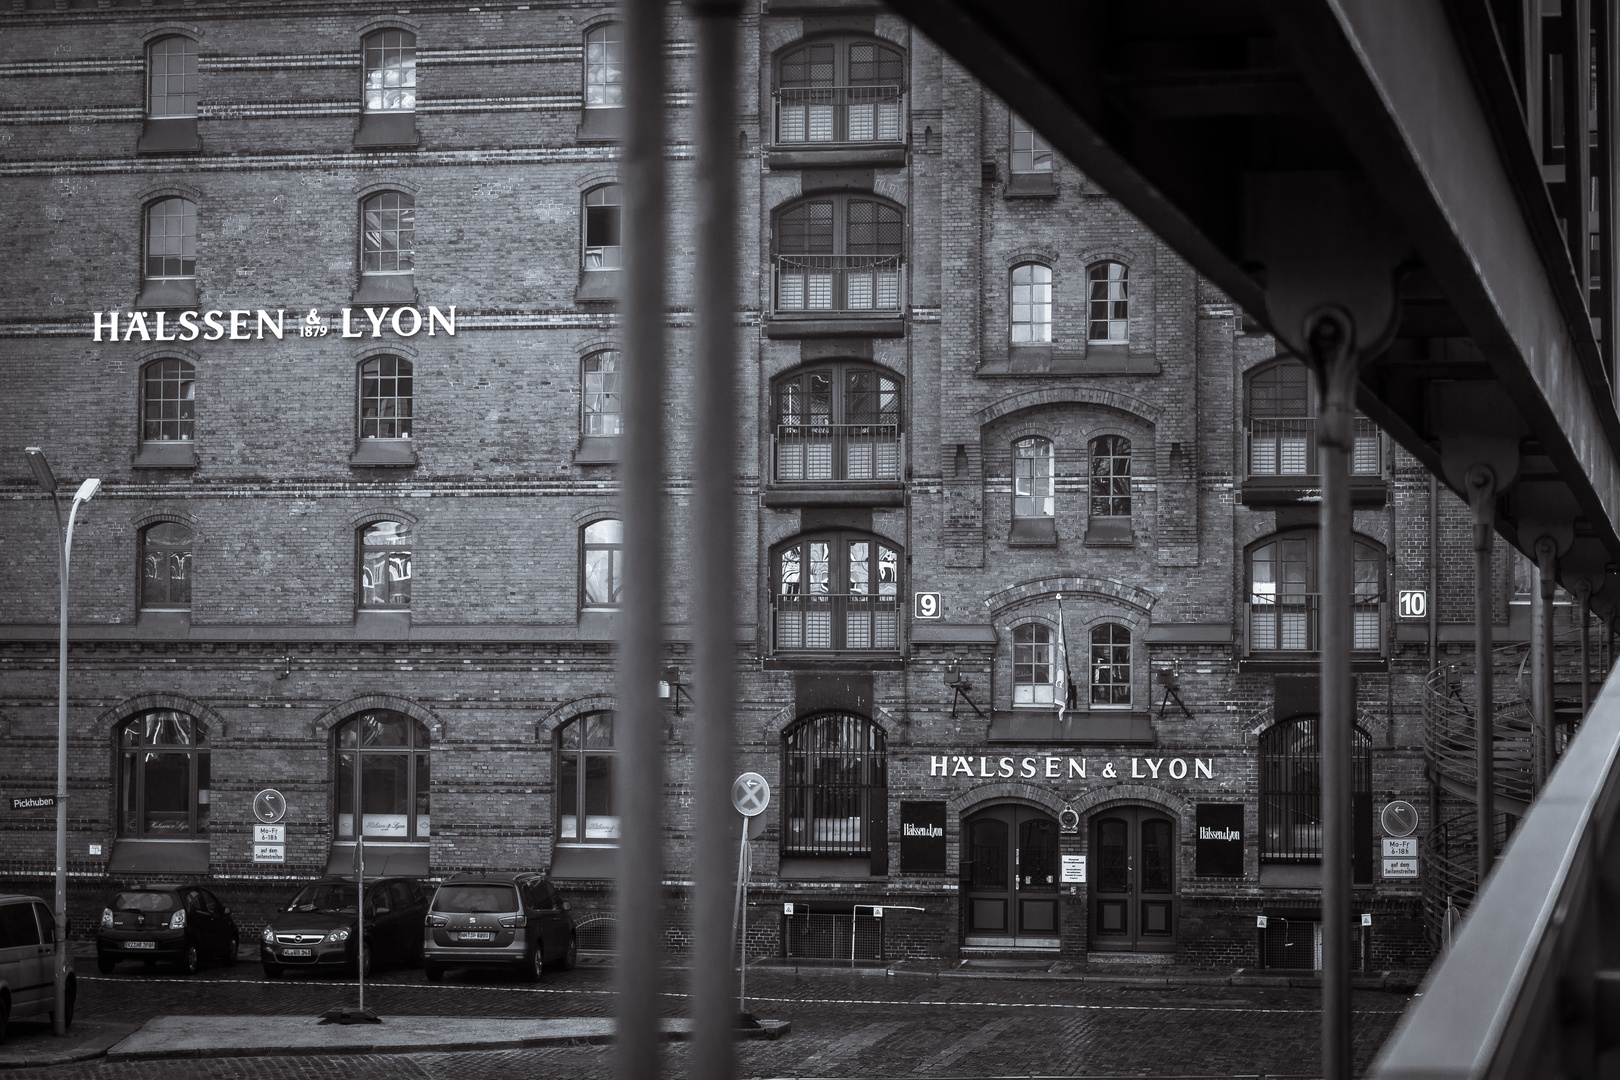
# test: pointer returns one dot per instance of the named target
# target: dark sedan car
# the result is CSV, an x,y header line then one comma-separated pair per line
x,y
319,928
176,923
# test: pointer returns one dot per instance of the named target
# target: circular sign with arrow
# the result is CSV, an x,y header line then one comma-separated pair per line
x,y
750,794
269,806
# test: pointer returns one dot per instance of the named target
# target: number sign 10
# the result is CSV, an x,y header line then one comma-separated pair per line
x,y
927,605
1414,603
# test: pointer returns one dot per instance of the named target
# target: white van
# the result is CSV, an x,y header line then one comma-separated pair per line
x,y
28,961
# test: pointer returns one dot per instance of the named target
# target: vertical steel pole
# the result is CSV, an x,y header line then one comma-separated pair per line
x,y
1481,482
640,735
1540,663
714,532
1583,594
65,552
1332,344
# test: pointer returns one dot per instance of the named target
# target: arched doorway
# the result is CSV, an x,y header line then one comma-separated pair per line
x,y
1133,887
1010,878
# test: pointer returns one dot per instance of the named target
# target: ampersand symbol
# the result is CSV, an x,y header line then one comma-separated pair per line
x,y
1108,769
314,317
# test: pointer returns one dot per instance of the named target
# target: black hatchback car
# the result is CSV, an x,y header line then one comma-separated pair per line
x,y
511,921
180,924
318,928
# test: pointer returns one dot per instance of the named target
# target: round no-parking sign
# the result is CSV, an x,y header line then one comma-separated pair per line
x,y
750,794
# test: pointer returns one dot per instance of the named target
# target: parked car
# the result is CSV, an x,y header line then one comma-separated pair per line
x,y
181,924
319,927
498,920
28,948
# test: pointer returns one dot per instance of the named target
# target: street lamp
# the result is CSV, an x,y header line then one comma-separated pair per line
x,y
87,490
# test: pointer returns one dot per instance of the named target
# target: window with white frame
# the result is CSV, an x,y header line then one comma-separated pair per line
x,y
1032,478
604,67
839,90
1108,304
1031,304
1030,152
171,239
602,563
1110,665
390,71
585,759
602,217
171,73
384,558
387,398
839,253
601,409
168,401
388,234
1033,664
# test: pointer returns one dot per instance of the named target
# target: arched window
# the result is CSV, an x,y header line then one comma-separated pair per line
x,y
1108,305
835,786
390,63
1031,304
388,234
166,567
602,412
585,756
839,253
1110,665
839,90
386,396
168,401
1032,478
837,592
171,239
382,777
1285,602
385,565
838,422
604,67
1280,412
602,564
1111,476
163,784
1034,670
171,73
1291,793
602,241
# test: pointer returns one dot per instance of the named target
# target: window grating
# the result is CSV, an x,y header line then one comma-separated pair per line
x,y
834,776
1291,788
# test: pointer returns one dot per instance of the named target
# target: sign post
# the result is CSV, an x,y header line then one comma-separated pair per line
x,y
361,1014
750,794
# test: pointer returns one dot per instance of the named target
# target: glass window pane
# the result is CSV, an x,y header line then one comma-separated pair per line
x,y
384,794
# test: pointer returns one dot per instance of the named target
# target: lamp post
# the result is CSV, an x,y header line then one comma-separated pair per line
x,y
87,490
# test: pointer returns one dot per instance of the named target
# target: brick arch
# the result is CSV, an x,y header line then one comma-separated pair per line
x,y
168,352
387,22
1071,395
157,517
380,513
171,29
392,183
139,703
169,191
1133,794
401,349
1102,588
571,710
963,803
323,724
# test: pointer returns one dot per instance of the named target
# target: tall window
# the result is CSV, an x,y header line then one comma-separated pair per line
x,y
1280,409
388,234
390,62
1111,476
1033,665
1031,304
171,72
1284,602
1110,665
382,777
1108,304
166,567
602,411
385,398
163,783
838,91
585,781
837,591
835,783
602,251
385,565
840,422
171,239
602,567
1291,789
839,254
604,67
1030,152
168,401
1032,478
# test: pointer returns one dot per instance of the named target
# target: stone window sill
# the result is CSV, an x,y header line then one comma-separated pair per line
x,y
166,455
386,453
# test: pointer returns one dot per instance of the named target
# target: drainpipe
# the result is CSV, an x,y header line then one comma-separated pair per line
x,y
1542,676
1434,572
1481,484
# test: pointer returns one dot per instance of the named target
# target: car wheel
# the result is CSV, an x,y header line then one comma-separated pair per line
x,y
368,959
5,1014
105,964
570,956
231,949
70,994
535,968
272,971
190,960
433,971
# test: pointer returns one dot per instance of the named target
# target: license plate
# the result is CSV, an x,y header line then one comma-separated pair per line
x,y
297,952
477,935
140,944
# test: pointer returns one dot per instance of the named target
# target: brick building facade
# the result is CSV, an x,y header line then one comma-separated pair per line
x,y
359,545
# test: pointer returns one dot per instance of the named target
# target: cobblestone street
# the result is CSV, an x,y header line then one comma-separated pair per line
x,y
844,1025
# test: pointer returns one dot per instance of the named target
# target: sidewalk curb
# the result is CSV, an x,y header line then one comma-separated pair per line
x,y
12,1057
1388,981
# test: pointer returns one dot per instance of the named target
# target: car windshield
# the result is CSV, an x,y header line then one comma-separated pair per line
x,y
475,898
144,901
339,898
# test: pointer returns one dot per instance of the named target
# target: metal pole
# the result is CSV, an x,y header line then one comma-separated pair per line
x,y
59,1015
1583,591
742,972
640,794
1481,481
1540,665
1332,345
714,533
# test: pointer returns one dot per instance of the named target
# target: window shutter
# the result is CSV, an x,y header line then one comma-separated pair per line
x,y
878,822
1361,847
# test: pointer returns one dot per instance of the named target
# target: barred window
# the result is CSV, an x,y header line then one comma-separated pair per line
x,y
168,401
836,423
163,776
1031,304
839,254
1033,669
388,234
1109,303
1110,665
1030,152
835,785
386,397
171,71
1111,476
602,410
171,238
602,217
390,62
1280,415
585,756
166,567
604,67
602,567
385,565
839,90
1032,478
1291,789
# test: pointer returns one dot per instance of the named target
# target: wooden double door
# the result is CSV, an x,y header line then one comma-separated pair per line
x,y
1010,878
1133,884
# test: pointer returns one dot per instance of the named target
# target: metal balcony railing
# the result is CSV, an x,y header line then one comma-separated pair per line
x,y
826,453
838,284
835,622
1286,446
1285,622
829,115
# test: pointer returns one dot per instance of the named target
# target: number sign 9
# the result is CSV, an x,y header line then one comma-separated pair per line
x,y
1414,603
927,605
